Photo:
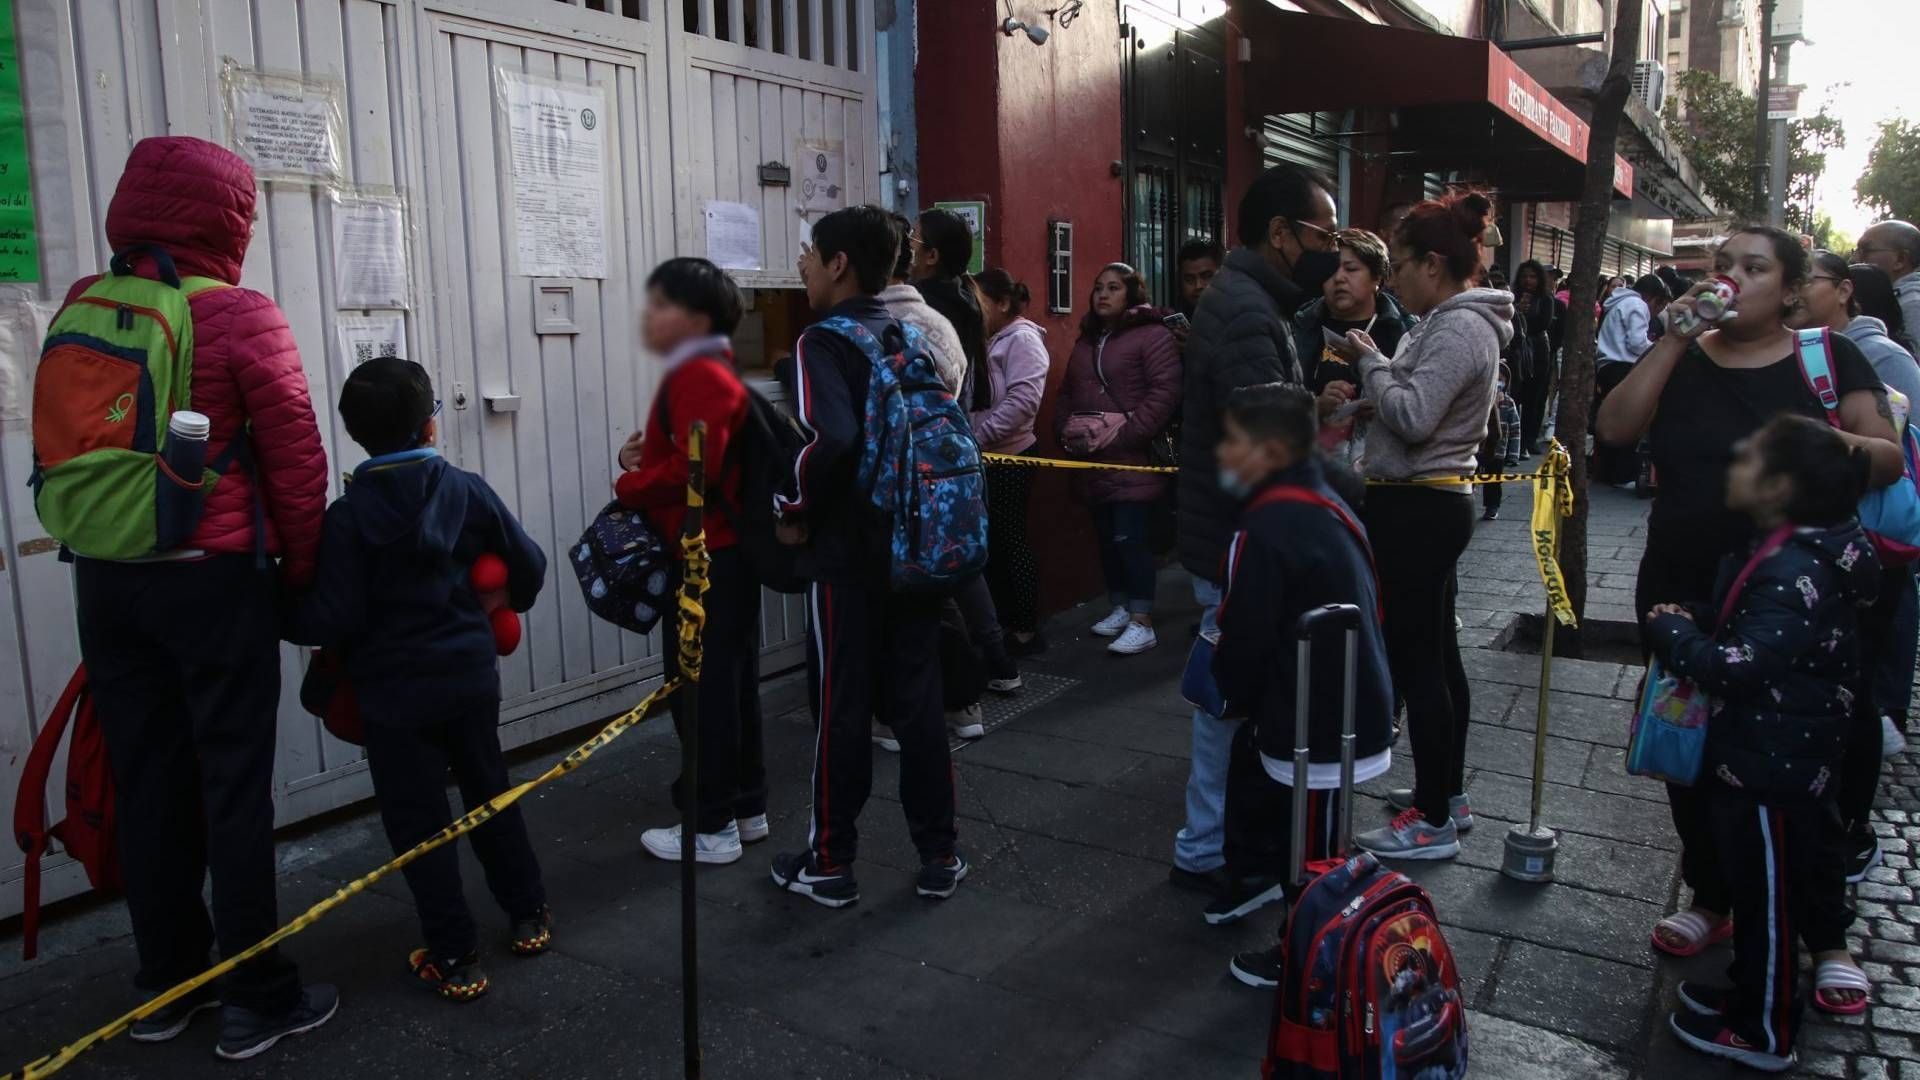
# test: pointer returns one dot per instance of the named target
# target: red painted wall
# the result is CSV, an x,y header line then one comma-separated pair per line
x,y
1034,130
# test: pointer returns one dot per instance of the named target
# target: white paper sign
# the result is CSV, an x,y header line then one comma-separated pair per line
x,y
366,337
733,236
369,253
559,175
823,175
287,128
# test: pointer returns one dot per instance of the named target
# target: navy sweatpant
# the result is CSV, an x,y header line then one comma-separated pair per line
x,y
1259,822
875,654
1774,856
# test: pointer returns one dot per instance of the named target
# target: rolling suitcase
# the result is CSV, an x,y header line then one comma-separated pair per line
x,y
1369,989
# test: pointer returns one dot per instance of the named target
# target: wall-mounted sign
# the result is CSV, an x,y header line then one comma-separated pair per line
x,y
1060,267
19,238
975,215
556,136
823,176
775,174
288,128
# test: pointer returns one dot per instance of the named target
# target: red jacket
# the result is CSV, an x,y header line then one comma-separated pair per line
x,y
195,200
701,387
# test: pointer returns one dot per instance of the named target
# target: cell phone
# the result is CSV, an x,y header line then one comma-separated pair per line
x,y
1345,412
1338,343
1176,321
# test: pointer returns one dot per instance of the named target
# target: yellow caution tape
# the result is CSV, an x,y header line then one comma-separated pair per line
x,y
1060,463
693,619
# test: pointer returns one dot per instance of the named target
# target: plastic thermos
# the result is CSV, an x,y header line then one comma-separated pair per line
x,y
1710,306
177,506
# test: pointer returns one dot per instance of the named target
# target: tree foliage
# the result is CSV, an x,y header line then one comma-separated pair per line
x,y
1891,184
1715,131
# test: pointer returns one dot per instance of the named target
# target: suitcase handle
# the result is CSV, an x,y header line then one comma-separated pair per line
x,y
1347,618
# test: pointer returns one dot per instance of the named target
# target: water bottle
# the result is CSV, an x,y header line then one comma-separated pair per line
x,y
1710,306
177,505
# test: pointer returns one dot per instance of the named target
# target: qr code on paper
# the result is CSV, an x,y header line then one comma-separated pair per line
x,y
364,351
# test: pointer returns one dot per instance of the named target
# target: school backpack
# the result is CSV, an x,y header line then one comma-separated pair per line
x,y
763,449
1890,515
919,462
116,365
1369,987
86,834
623,569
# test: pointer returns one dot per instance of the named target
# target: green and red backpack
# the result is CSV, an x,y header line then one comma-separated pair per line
x,y
116,365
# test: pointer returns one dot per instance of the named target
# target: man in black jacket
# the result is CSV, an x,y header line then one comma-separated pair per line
x,y
873,652
1242,336
941,251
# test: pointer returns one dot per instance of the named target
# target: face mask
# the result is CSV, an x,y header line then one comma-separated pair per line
x,y
1312,269
1231,483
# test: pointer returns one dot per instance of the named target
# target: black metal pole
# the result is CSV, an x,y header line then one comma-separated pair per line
x,y
690,776
1762,160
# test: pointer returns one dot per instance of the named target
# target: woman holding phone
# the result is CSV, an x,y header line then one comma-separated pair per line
x,y
1353,300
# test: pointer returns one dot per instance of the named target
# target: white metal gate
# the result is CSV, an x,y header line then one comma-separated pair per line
x,y
696,108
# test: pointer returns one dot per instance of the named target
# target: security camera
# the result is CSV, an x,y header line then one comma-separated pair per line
x,y
1037,35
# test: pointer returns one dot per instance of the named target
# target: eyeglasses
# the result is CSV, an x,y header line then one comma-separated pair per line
x,y
1330,236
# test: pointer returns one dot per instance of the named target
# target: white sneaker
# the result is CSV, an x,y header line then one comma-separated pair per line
x,y
753,829
1113,623
1893,741
719,848
967,723
1137,639
883,738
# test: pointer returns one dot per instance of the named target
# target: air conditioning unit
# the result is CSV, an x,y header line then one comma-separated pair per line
x,y
1650,84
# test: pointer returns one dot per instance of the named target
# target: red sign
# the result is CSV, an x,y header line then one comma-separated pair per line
x,y
1623,176
1515,93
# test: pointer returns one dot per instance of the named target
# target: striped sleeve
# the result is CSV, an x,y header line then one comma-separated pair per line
x,y
824,406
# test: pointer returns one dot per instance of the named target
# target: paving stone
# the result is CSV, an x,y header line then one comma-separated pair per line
x,y
1607,1012
1503,1049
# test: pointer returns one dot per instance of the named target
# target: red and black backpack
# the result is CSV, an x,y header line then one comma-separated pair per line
x,y
86,834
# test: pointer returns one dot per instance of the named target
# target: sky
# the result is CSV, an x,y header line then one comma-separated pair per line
x,y
1864,56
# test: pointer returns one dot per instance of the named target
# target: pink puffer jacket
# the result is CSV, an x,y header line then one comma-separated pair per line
x,y
195,200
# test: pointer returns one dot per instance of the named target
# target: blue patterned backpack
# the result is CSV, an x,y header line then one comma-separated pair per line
x,y
622,568
920,462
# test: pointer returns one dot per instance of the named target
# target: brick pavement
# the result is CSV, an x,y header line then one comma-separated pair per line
x,y
1066,954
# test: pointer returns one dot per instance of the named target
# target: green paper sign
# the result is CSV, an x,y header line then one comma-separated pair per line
x,y
19,240
975,215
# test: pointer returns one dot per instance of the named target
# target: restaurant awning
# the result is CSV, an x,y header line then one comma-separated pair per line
x,y
1459,103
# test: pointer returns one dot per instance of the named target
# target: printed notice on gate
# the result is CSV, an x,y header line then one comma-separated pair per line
x,y
369,337
733,235
289,128
823,175
556,134
369,252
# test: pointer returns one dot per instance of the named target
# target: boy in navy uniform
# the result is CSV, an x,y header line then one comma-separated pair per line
x,y
1300,546
873,653
393,595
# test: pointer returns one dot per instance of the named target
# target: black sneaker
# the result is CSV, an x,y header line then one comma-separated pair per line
x,y
245,1033
1242,898
1710,1035
1864,855
532,935
458,979
168,1021
1703,1000
1260,970
1492,513
1003,675
797,872
939,878
1033,646
1209,883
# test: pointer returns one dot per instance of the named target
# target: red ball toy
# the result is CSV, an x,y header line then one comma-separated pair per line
x,y
488,576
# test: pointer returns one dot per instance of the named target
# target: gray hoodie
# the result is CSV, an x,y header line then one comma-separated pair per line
x,y
1432,399
1894,365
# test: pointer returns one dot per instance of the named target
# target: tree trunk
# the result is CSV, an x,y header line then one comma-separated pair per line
x,y
1589,239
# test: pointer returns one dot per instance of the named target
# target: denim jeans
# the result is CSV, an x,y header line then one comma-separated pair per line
x,y
1126,554
1200,844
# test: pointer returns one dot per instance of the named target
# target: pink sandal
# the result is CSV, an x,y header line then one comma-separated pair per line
x,y
1831,975
1699,934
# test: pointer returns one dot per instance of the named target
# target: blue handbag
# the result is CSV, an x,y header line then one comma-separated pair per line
x,y
1196,682
623,569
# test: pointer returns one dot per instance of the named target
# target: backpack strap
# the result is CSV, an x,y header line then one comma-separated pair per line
x,y
1774,542
1295,493
122,262
1815,348
30,828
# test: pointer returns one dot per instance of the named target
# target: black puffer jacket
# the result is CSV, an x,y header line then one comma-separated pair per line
x,y
1242,336
1780,671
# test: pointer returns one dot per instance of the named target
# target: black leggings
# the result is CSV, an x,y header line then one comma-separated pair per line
x,y
1011,573
1418,535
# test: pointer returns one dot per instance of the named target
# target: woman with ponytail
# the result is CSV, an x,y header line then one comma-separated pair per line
x,y
1017,365
1702,390
1430,404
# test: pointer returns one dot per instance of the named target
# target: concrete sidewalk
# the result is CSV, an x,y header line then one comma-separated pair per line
x,y
1065,954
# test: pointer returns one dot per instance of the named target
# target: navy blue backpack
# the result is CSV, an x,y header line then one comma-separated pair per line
x,y
920,462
